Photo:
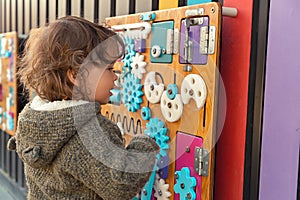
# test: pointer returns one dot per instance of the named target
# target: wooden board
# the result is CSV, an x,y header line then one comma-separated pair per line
x,y
197,122
8,82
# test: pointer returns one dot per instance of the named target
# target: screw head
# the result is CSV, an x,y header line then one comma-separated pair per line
x,y
191,92
213,10
145,192
154,50
159,192
189,196
176,175
144,114
151,87
187,149
182,185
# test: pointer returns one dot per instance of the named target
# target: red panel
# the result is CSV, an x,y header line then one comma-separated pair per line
x,y
235,62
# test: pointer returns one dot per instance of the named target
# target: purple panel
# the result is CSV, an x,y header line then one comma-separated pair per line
x,y
194,34
281,127
140,45
186,159
163,167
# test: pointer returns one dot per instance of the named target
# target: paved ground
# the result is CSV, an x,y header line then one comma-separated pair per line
x,y
9,190
5,194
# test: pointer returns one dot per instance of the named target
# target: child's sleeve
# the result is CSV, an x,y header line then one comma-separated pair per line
x,y
113,171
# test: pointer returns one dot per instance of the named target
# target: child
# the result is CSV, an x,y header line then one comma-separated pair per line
x,y
71,151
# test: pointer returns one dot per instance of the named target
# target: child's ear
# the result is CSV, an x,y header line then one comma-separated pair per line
x,y
72,77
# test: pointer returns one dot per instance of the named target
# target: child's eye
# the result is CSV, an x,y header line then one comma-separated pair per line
x,y
110,68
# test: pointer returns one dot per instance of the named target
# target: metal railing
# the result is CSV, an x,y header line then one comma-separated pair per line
x,y
23,15
11,168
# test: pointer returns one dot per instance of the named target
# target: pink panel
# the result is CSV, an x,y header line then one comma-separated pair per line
x,y
186,159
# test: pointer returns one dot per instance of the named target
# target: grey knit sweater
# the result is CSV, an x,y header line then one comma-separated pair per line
x,y
76,153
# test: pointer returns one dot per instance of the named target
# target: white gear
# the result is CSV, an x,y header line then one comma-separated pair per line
x,y
153,90
171,108
193,87
161,190
138,65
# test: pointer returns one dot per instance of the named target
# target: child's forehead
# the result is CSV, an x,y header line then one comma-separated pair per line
x,y
106,52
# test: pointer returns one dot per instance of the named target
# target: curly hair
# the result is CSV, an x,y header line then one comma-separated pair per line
x,y
52,50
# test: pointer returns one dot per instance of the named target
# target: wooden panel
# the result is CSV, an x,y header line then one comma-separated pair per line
x,y
104,10
3,144
7,16
52,10
62,8
143,6
122,7
75,8
13,15
89,10
165,4
34,12
204,119
1,16
20,16
27,16
14,166
43,12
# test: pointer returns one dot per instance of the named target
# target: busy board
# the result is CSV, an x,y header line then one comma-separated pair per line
x,y
167,88
8,82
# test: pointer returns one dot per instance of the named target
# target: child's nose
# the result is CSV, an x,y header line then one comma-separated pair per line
x,y
115,77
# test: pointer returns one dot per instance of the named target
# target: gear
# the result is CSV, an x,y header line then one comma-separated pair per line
x,y
155,129
130,52
146,113
185,184
161,189
132,93
153,90
172,91
138,65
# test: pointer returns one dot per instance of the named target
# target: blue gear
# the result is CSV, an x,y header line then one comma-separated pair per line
x,y
185,184
172,91
130,52
132,93
146,114
155,129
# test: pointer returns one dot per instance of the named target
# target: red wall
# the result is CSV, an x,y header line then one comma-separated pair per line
x,y
235,62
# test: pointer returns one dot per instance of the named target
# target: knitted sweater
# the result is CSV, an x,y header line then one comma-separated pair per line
x,y
74,152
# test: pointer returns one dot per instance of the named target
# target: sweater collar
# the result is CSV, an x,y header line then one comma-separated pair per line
x,y
42,105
